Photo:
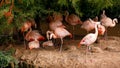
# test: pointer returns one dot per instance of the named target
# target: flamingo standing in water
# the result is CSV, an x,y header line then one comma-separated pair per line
x,y
72,19
59,32
107,22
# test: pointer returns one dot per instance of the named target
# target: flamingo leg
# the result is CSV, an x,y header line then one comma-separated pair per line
x,y
24,41
61,44
105,35
86,54
87,50
73,31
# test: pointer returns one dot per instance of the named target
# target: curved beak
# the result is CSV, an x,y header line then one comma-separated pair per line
x,y
79,45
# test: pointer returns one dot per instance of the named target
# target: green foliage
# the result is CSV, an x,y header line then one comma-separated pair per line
x,y
6,58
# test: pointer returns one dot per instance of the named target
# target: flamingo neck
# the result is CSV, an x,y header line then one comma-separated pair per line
x,y
28,33
67,14
114,22
96,30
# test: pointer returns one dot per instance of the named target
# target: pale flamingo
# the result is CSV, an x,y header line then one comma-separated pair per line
x,y
59,33
107,22
101,28
72,19
89,25
89,39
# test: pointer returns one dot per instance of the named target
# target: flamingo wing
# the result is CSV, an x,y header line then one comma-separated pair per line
x,y
88,39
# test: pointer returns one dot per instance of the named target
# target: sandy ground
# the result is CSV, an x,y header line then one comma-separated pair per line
x,y
105,54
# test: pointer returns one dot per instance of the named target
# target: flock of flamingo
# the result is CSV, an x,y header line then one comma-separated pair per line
x,y
58,31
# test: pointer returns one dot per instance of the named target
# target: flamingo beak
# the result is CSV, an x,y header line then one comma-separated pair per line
x,y
71,36
79,45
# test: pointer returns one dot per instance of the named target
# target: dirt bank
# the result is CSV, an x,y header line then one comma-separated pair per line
x,y
105,54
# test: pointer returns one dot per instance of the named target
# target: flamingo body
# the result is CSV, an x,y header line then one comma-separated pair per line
x,y
34,35
72,19
89,38
87,25
54,24
61,33
33,44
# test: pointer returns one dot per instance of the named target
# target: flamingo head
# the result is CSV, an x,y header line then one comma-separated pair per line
x,y
101,29
71,36
80,22
116,20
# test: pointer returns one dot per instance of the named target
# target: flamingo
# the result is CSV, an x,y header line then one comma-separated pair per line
x,y
101,28
59,33
89,25
107,22
72,19
33,36
89,39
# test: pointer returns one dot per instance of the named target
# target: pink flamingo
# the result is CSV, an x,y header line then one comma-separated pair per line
x,y
87,25
59,33
72,19
27,25
107,22
33,36
89,39
101,28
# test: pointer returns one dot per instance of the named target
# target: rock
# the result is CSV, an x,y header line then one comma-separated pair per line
x,y
96,50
